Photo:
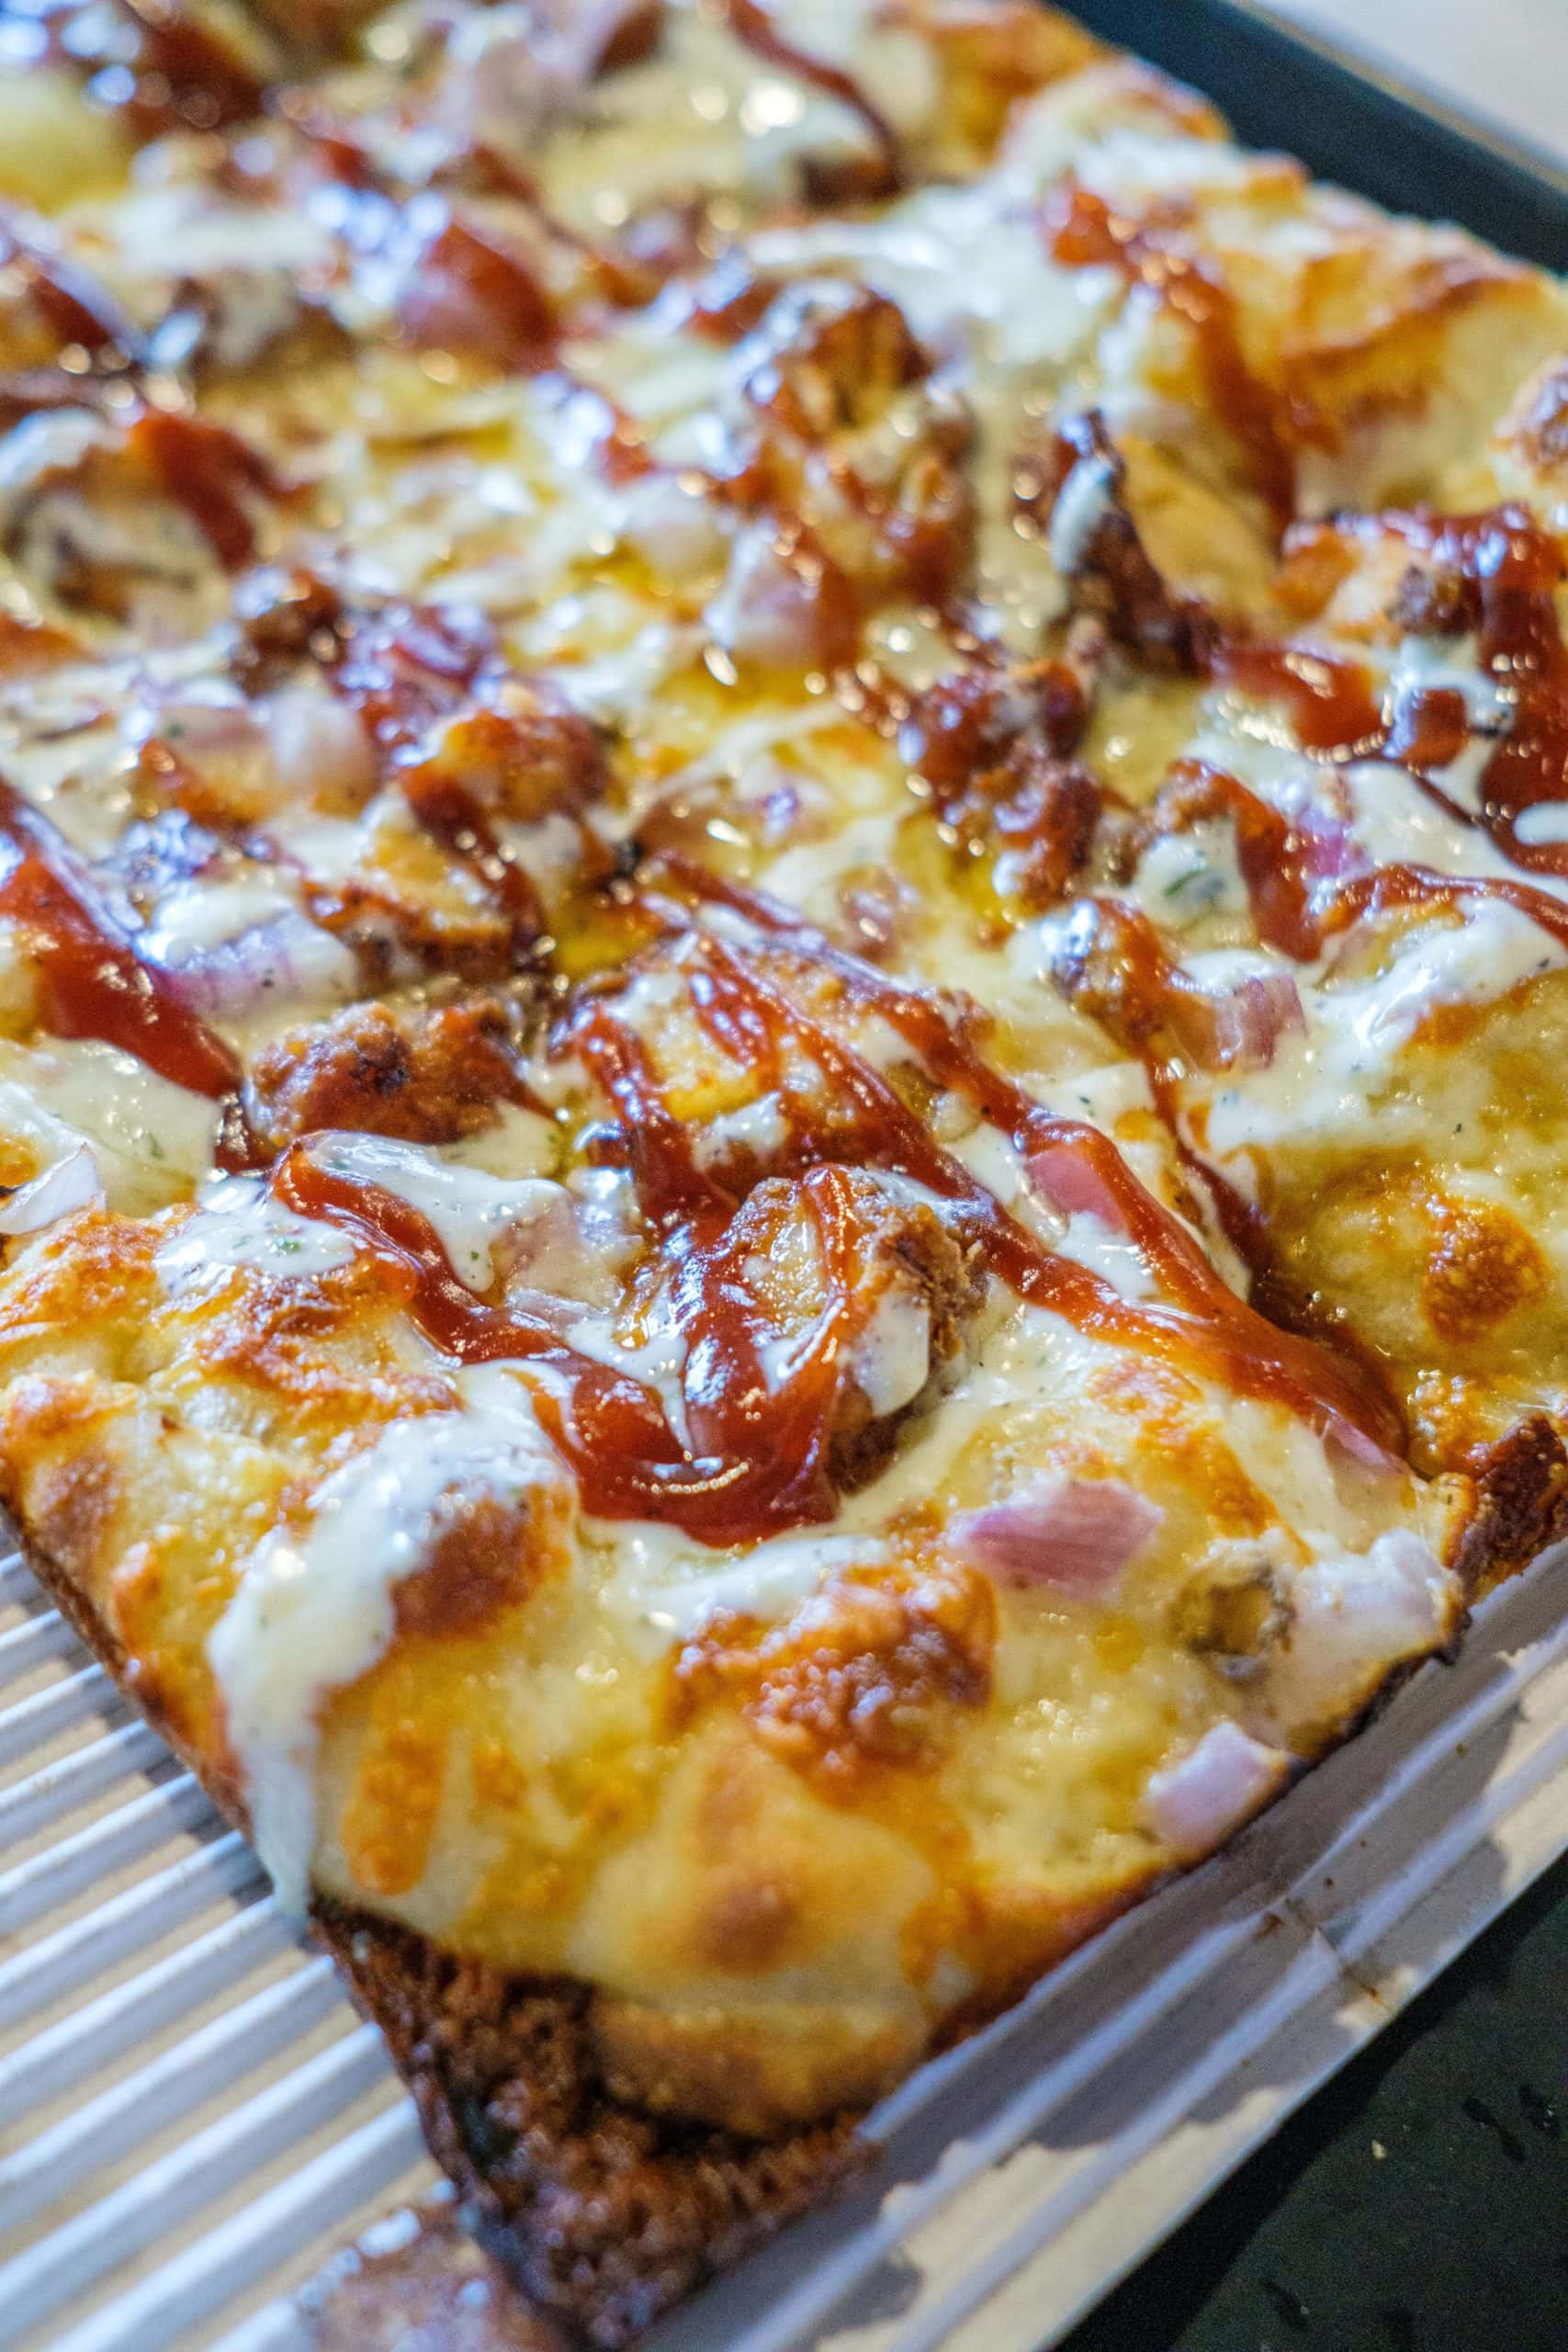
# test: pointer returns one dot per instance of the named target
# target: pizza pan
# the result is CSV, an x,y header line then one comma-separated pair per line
x,y
1349,120
192,2117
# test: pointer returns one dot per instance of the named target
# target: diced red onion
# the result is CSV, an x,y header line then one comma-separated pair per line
x,y
1069,1180
1216,1786
786,606
543,1248
570,1247
1333,851
502,87
1250,1019
279,963
1343,1440
71,1184
1073,1536
1356,1614
203,729
320,748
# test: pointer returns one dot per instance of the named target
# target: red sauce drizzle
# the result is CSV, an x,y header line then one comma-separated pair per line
x,y
1089,233
1495,575
184,74
1427,732
211,472
1296,909
1418,886
403,671
93,982
1166,1019
407,666
1206,1323
174,75
1331,701
452,816
752,23
472,291
761,1455
462,285
765,1466
74,305
1275,859
1507,570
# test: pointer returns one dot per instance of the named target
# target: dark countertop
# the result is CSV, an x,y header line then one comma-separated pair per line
x,y
1418,2203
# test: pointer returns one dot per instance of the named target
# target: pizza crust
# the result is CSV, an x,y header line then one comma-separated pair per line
x,y
605,2214
689,828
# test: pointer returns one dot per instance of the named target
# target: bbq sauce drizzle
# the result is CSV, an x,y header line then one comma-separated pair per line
x,y
1496,575
404,671
1162,1015
93,979
1074,1166
153,61
758,1458
1088,233
1297,910
752,22
211,472
1505,571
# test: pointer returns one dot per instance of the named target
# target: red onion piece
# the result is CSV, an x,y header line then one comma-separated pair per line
x,y
786,603
1250,1019
1343,1442
504,88
1070,1535
319,746
207,729
1216,1786
1332,852
279,963
1068,1180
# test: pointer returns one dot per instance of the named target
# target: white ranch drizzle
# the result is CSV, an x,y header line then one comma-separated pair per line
x,y
314,1608
238,1222
470,1210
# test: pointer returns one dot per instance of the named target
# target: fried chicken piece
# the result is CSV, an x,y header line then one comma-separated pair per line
x,y
425,1074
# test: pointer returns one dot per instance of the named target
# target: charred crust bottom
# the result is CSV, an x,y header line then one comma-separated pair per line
x,y
1521,1503
604,2216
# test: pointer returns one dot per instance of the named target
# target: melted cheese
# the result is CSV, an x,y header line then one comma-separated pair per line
x,y
669,1592
314,1610
1335,1078
701,116
853,1699
153,1140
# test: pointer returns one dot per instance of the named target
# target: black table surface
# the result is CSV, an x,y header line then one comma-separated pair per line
x,y
1418,2203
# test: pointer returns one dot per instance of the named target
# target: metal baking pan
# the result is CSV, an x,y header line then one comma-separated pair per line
x,y
1349,120
192,2119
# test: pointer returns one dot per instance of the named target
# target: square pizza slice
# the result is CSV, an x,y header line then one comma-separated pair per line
x,y
779,946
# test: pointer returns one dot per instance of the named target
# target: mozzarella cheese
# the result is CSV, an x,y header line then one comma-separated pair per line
x,y
562,663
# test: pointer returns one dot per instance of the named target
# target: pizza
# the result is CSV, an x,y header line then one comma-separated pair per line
x,y
783,966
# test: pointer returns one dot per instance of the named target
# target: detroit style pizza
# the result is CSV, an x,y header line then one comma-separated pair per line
x,y
783,977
